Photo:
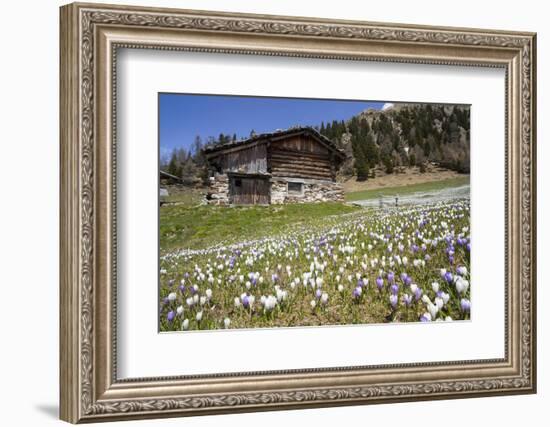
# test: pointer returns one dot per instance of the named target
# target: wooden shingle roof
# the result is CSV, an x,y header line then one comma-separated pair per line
x,y
213,149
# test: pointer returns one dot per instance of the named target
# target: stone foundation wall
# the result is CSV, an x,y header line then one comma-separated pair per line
x,y
218,190
313,191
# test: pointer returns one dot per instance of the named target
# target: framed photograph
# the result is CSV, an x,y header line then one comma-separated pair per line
x,y
268,212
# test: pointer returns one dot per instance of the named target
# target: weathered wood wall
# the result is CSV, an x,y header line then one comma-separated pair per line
x,y
252,159
301,157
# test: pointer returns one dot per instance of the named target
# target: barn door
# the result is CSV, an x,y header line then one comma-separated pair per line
x,y
249,191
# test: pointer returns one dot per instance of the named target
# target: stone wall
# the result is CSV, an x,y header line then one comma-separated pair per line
x,y
218,190
313,191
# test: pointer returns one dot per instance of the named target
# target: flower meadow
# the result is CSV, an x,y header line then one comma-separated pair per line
x,y
410,264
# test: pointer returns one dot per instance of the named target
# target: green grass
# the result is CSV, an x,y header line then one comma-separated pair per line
x,y
407,189
197,227
186,196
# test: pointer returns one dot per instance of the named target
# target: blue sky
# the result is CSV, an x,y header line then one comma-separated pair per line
x,y
182,117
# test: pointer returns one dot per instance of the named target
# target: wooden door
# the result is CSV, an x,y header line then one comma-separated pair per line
x,y
249,191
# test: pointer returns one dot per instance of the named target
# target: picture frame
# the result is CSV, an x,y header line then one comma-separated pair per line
x,y
91,35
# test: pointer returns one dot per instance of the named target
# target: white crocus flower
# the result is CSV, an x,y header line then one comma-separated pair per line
x,y
435,287
208,293
439,302
281,295
270,302
179,310
199,316
463,271
248,284
172,296
227,322
237,302
202,300
340,288
185,325
324,298
432,308
461,285
313,303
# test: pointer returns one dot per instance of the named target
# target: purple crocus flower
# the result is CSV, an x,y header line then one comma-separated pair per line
x,y
403,276
391,277
166,300
448,277
170,316
468,247
182,288
357,292
417,294
465,305
426,317
245,301
407,299
394,289
360,283
171,282
379,283
318,293
274,277
393,301
408,280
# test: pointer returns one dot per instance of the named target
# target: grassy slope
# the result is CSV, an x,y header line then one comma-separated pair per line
x,y
184,226
407,189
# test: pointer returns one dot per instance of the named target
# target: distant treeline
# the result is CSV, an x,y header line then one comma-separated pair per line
x,y
404,135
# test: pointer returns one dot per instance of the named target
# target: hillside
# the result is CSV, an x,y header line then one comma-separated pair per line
x,y
402,136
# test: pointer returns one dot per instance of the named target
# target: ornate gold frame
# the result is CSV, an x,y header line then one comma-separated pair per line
x,y
90,36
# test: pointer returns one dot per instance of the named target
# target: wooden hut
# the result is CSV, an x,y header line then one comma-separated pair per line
x,y
285,166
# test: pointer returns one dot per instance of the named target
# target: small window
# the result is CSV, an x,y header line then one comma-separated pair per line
x,y
238,183
295,187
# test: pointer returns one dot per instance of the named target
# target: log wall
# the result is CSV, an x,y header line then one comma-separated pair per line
x,y
300,157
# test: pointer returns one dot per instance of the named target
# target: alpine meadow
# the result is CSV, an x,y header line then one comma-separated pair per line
x,y
284,212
